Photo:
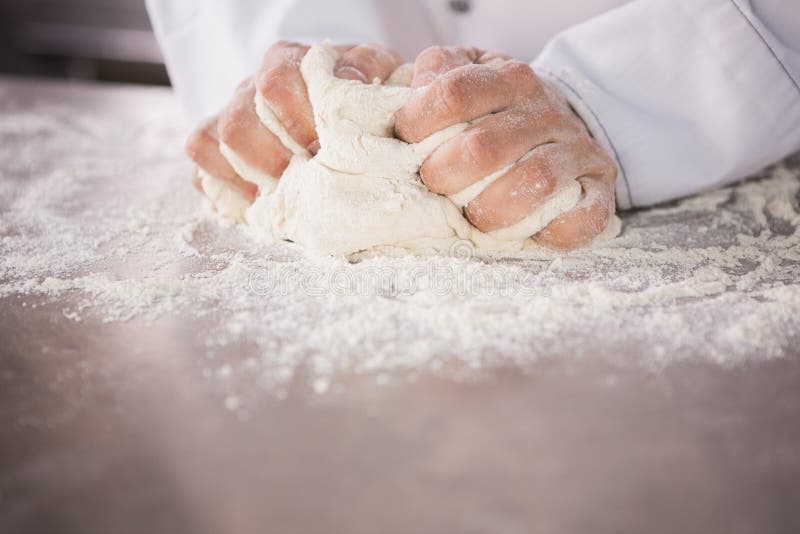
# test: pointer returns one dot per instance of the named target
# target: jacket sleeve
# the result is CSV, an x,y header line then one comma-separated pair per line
x,y
210,46
688,95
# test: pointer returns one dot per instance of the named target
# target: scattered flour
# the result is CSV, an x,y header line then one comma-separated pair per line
x,y
98,221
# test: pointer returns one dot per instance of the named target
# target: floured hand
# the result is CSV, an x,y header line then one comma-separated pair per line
x,y
237,155
527,124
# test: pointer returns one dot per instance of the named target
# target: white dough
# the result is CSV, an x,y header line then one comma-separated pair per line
x,y
362,190
227,201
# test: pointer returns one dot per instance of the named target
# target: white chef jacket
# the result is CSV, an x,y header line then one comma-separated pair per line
x,y
687,95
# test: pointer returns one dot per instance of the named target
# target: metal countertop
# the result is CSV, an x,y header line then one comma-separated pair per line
x,y
113,426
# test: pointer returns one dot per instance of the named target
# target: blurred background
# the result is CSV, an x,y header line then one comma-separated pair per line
x,y
104,40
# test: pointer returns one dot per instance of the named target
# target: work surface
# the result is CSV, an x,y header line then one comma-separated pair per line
x,y
162,373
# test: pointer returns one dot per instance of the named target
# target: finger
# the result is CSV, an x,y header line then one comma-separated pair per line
x,y
314,147
528,185
281,84
491,57
202,147
585,221
241,130
437,60
343,47
464,94
196,180
366,63
485,148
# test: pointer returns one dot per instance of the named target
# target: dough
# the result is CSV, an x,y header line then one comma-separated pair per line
x,y
362,190
226,201
265,182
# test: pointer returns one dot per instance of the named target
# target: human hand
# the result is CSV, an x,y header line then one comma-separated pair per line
x,y
202,147
526,116
240,132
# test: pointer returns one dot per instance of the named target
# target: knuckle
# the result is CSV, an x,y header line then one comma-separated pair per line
x,y
371,51
608,171
277,95
490,56
286,44
471,53
604,166
366,60
439,59
391,54
609,166
244,86
238,113
433,56
539,177
451,96
292,123
518,72
478,214
563,233
299,128
406,128
227,128
554,119
231,122
479,147
554,236
432,178
277,73
590,223
361,53
196,142
283,51
278,157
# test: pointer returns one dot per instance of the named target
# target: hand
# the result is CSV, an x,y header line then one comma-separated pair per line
x,y
525,114
202,147
281,84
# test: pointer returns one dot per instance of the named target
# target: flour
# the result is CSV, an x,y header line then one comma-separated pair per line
x,y
100,230
229,203
363,190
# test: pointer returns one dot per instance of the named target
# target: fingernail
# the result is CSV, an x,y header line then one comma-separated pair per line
x,y
350,73
313,147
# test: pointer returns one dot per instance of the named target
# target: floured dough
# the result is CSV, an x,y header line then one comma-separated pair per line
x,y
362,190
265,182
227,201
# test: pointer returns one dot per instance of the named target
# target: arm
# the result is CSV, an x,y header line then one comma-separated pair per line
x,y
688,95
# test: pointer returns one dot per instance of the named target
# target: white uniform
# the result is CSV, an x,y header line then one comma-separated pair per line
x,y
687,95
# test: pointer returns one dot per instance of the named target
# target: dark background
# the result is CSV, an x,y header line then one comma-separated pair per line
x,y
105,40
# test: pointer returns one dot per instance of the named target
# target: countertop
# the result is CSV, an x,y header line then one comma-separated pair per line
x,y
161,372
